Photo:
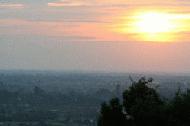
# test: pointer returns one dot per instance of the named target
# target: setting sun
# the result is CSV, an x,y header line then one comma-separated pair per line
x,y
153,23
154,26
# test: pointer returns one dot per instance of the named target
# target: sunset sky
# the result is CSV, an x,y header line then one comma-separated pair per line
x,y
95,35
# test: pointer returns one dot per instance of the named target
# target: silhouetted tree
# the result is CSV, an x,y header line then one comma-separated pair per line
x,y
142,106
143,103
112,114
180,109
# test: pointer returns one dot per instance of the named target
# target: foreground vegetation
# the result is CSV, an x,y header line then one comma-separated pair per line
x,y
143,106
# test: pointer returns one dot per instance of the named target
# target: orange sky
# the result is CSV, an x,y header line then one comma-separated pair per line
x,y
93,35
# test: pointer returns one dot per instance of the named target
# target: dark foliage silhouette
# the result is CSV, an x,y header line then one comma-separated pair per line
x,y
142,106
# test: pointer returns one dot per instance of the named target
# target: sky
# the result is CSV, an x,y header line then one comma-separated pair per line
x,y
95,35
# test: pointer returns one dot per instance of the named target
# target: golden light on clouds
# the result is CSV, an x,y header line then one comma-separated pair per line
x,y
155,26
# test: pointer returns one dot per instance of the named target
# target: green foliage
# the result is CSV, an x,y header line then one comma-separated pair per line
x,y
142,106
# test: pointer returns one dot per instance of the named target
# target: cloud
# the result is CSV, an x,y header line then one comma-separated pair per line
x,y
11,5
69,3
77,3
52,29
115,3
72,31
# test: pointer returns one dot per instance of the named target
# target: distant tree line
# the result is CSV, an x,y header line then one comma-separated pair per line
x,y
141,105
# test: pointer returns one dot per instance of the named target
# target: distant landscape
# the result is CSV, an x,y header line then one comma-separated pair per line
x,y
94,62
52,98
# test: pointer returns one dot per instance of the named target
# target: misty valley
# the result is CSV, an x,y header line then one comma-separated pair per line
x,y
35,98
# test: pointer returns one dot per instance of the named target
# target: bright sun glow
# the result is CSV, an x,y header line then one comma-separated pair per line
x,y
153,26
153,23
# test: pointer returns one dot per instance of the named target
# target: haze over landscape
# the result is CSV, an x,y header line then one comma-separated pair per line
x,y
94,63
